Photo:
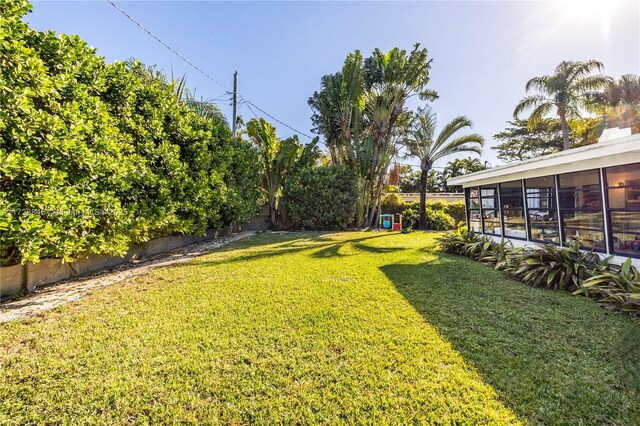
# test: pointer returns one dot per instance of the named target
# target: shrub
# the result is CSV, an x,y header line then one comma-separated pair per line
x,y
617,287
456,242
456,210
438,220
392,203
321,197
95,156
562,268
441,216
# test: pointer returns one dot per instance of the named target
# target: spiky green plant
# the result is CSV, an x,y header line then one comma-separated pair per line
x,y
561,268
619,287
456,242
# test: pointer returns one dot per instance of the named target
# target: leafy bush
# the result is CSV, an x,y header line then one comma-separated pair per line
x,y
456,242
96,156
562,268
321,197
456,210
438,218
392,203
618,287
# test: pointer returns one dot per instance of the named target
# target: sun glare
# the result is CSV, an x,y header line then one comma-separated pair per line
x,y
590,14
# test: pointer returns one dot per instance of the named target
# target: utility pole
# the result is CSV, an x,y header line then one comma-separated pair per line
x,y
234,124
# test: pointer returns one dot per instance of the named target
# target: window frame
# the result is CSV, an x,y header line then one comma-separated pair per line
x,y
563,211
606,171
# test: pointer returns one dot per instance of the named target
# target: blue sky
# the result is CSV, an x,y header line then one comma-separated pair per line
x,y
484,52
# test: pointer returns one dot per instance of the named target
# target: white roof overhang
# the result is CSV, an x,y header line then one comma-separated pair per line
x,y
605,154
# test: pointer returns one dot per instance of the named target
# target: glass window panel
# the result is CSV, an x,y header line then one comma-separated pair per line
x,y
588,198
587,239
488,203
627,175
474,192
489,197
474,215
491,222
617,198
513,215
545,233
543,217
627,198
510,202
492,226
581,219
541,193
626,244
475,226
579,180
515,231
625,221
541,182
474,203
624,205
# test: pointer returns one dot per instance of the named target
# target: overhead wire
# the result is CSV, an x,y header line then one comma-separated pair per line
x,y
207,75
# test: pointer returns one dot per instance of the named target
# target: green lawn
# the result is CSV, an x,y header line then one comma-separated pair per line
x,y
323,328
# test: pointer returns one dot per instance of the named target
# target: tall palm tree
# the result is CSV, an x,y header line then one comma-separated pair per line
x,y
568,91
620,102
428,146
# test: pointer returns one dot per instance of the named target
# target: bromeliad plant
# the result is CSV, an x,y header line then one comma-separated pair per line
x,y
456,242
558,268
616,287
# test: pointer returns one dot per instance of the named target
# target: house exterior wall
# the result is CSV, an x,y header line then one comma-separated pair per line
x,y
597,208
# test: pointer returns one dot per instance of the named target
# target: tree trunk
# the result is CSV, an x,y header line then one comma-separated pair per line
x,y
423,199
565,131
272,215
375,203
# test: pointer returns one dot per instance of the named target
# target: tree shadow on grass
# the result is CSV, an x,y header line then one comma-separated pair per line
x,y
552,357
318,245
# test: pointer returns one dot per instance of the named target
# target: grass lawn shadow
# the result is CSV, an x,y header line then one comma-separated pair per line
x,y
319,245
552,357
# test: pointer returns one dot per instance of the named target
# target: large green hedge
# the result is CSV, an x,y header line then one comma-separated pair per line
x,y
441,215
321,198
94,156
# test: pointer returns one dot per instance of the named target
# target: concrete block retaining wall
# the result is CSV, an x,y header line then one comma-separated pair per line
x,y
17,278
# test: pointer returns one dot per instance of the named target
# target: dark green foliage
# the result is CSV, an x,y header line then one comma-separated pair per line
x,y
439,214
321,197
392,203
94,156
560,268
618,287
456,242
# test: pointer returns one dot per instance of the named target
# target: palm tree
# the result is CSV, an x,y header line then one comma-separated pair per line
x,y
429,147
359,111
277,157
620,102
568,90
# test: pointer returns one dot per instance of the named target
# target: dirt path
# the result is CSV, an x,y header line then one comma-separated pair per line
x,y
54,295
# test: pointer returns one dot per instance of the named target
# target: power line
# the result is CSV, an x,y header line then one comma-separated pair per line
x,y
167,46
200,70
275,119
250,109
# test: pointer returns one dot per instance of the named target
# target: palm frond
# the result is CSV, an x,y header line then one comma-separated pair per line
x,y
529,102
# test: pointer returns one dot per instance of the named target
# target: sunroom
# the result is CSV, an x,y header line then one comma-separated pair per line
x,y
589,195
